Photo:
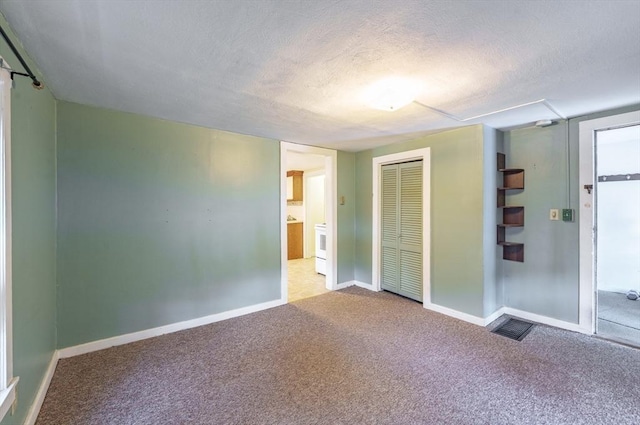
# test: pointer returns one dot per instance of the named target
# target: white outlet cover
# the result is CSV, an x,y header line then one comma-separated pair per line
x,y
554,214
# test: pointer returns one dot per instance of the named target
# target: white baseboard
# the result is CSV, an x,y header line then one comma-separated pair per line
x,y
355,283
345,284
364,285
574,327
455,314
495,315
174,327
34,410
520,314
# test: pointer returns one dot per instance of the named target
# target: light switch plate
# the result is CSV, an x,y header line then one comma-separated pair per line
x,y
567,214
554,214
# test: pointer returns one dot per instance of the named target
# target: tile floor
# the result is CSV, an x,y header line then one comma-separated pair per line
x,y
304,282
618,317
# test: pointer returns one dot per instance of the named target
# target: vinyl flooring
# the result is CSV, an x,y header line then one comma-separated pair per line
x,y
618,317
304,282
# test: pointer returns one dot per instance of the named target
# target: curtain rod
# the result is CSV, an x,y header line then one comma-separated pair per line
x,y
37,84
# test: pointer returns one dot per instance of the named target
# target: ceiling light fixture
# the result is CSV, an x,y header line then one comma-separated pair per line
x,y
392,93
544,123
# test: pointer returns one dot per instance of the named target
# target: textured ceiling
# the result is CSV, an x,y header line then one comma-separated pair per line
x,y
295,70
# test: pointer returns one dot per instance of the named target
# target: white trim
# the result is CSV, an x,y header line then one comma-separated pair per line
x,y
355,283
34,410
363,285
7,381
8,397
284,255
174,327
469,318
331,206
425,155
456,314
574,327
344,285
525,315
494,316
587,310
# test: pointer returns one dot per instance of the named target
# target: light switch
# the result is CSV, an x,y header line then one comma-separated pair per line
x,y
554,214
567,214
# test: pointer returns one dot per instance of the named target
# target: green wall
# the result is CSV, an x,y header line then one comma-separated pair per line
x,y
160,222
346,215
33,166
457,210
492,253
547,283
364,217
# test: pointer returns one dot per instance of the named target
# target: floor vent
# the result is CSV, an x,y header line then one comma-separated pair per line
x,y
514,329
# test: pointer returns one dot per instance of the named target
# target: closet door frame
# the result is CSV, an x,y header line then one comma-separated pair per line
x,y
423,154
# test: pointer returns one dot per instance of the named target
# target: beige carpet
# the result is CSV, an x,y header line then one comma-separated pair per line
x,y
349,357
303,280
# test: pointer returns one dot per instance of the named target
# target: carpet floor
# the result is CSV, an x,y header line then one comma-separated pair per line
x,y
349,357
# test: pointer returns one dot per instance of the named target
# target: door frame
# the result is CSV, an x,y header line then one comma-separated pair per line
x,y
8,382
588,235
331,207
423,154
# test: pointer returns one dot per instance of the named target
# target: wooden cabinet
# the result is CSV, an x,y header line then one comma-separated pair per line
x,y
512,215
294,185
294,240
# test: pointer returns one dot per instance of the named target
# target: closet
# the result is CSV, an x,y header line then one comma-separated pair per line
x,y
401,229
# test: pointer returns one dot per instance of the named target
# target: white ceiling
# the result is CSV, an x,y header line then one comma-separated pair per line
x,y
295,70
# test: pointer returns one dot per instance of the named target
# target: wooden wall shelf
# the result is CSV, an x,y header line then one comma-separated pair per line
x,y
512,178
512,215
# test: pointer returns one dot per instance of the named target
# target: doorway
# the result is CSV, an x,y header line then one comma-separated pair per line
x,y
610,227
617,239
316,206
306,277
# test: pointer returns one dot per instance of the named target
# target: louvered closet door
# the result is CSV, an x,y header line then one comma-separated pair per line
x,y
389,275
401,231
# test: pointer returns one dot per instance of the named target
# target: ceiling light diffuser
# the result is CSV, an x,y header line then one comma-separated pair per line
x,y
392,93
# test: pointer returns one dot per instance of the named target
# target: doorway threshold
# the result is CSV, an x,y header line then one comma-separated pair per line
x,y
618,340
